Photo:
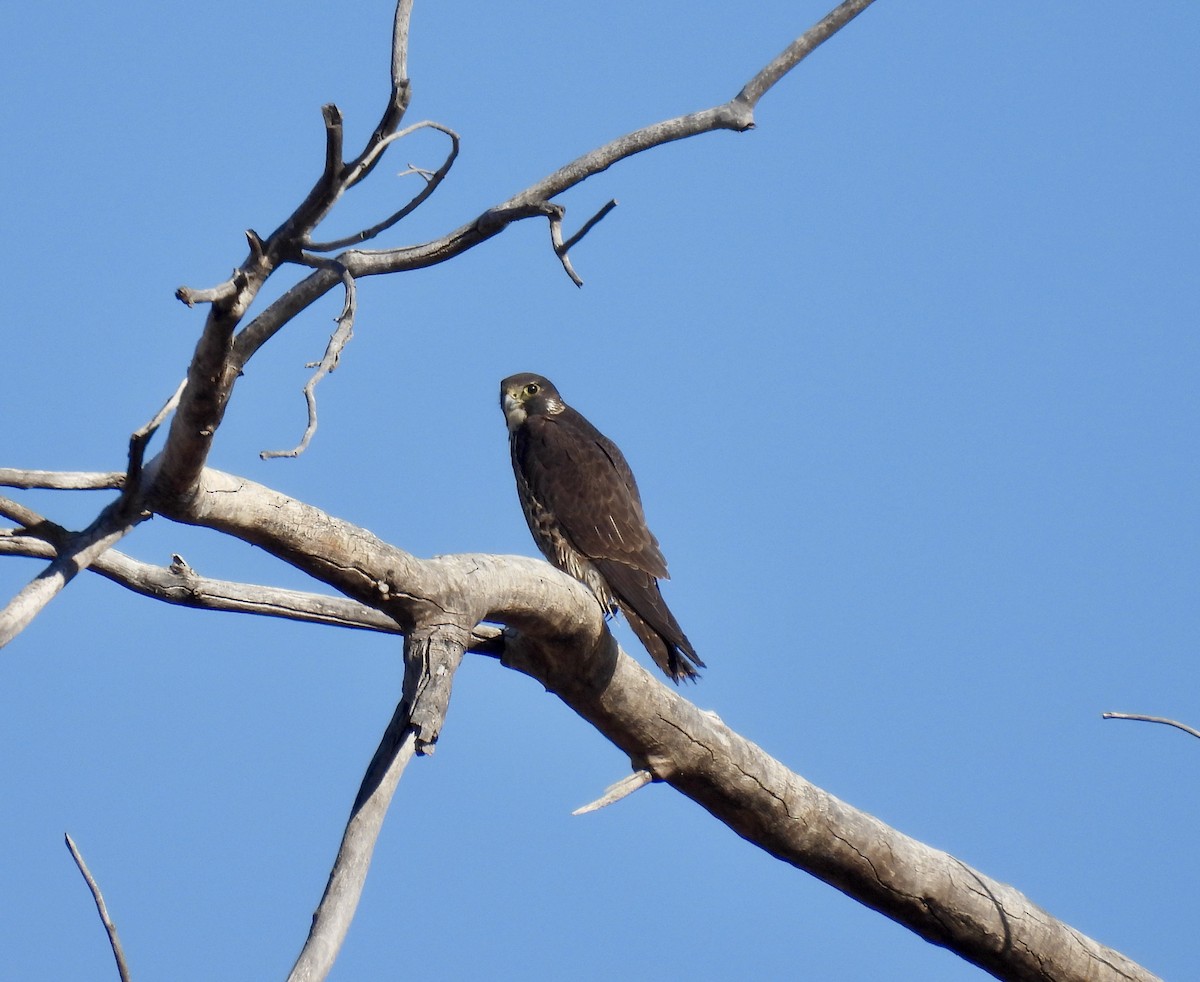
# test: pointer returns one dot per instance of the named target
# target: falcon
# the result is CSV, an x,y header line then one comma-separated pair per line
x,y
585,513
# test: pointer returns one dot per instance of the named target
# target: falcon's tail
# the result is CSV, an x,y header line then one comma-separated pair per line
x,y
677,658
641,602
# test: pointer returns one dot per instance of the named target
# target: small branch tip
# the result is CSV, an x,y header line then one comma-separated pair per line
x,y
615,792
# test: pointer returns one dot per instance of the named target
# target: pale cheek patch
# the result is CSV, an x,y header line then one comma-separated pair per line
x,y
514,412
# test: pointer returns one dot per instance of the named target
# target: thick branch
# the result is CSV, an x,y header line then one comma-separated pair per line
x,y
210,379
464,589
929,891
564,644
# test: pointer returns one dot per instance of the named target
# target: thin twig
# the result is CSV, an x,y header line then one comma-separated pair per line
x,y
141,436
110,526
1153,719
333,353
432,180
590,223
800,49
398,99
737,115
109,927
562,248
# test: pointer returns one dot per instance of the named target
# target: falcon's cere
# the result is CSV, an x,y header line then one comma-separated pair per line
x,y
585,513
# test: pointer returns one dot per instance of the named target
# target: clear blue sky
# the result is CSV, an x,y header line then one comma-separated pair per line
x,y
910,378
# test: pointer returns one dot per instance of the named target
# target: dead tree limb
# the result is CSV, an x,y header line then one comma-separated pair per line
x,y
110,928
557,635
1153,719
431,656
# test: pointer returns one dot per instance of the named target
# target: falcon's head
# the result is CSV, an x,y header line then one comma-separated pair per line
x,y
527,395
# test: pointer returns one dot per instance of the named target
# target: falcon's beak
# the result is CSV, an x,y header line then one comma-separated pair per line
x,y
514,410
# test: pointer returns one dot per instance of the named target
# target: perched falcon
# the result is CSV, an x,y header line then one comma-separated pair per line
x,y
585,513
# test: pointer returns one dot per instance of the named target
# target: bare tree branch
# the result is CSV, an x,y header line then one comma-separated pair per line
x,y
333,353
432,180
800,49
590,224
113,524
736,115
556,242
102,908
615,792
928,891
17,512
401,91
141,436
554,629
431,657
180,585
1152,719
12,477
557,636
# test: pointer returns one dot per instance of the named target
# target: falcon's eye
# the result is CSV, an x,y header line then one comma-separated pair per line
x,y
532,389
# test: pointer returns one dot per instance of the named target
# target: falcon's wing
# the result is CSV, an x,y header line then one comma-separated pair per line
x,y
581,477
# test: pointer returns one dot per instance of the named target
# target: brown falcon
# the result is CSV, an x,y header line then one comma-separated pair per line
x,y
585,513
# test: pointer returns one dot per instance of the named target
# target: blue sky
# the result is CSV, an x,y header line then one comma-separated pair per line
x,y
910,378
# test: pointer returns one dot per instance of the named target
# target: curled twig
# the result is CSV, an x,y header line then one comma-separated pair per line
x,y
333,353
556,240
371,156
561,248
